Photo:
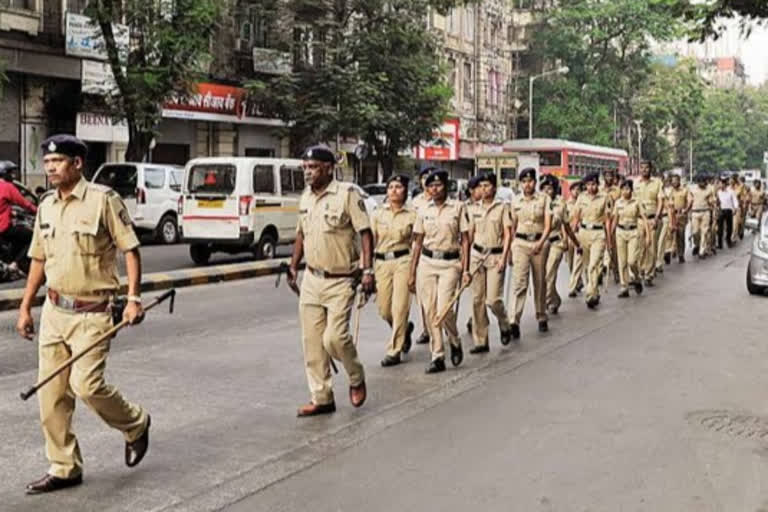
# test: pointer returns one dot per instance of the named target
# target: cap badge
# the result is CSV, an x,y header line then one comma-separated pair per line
x,y
51,146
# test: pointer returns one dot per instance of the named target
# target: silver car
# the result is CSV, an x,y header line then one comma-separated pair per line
x,y
757,271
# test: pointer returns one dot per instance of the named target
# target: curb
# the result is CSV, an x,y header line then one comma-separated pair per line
x,y
11,299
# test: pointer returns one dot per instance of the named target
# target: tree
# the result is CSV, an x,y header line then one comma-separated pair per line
x,y
719,144
372,71
708,15
169,40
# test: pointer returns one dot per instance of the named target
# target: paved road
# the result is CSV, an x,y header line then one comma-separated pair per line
x,y
612,410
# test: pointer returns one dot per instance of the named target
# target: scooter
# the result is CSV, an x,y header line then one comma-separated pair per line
x,y
24,220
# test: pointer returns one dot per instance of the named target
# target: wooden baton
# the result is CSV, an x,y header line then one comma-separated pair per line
x,y
444,314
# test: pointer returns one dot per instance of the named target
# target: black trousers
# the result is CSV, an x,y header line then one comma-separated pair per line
x,y
724,227
20,239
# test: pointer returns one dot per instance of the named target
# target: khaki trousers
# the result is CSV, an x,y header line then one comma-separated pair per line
x,y
756,212
437,281
700,231
63,333
394,299
556,253
649,251
682,223
487,289
526,264
738,223
325,307
714,229
628,252
593,244
662,242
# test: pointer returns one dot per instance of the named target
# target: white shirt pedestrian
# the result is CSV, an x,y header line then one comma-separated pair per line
x,y
728,199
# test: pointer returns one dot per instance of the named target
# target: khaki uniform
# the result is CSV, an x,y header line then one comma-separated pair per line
x,y
628,214
649,194
438,278
488,225
558,247
418,203
757,203
679,202
701,215
330,223
571,256
78,239
528,215
392,232
593,213
739,216
610,259
667,237
714,215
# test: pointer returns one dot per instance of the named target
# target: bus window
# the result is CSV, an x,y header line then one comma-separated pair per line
x,y
550,158
508,173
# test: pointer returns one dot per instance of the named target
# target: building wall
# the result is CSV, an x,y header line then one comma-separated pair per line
x,y
10,115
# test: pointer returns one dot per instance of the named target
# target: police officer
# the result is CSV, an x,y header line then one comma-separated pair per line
x,y
649,192
742,194
531,226
419,202
702,202
576,281
591,217
680,204
392,232
757,201
331,215
79,229
611,187
559,238
626,229
714,229
441,255
491,232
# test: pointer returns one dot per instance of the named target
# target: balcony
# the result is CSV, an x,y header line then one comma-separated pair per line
x,y
20,15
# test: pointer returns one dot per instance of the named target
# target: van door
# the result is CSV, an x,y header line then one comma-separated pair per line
x,y
211,209
266,201
154,196
291,186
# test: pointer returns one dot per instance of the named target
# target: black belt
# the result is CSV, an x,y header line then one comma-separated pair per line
x,y
329,275
628,227
700,210
554,239
591,226
492,250
530,237
441,255
392,255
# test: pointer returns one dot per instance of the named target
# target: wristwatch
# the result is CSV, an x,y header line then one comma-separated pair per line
x,y
134,298
368,272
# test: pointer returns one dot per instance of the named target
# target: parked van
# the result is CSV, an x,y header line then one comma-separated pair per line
x,y
239,204
150,192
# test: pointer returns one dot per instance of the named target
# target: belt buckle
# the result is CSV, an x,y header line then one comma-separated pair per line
x,y
438,254
530,237
317,272
66,303
389,256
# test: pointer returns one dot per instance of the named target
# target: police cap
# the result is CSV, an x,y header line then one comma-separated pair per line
x,y
473,182
528,172
64,144
487,177
591,177
320,153
436,176
399,178
426,169
628,184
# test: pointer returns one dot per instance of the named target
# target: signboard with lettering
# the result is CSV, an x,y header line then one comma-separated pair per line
x,y
215,102
84,38
100,128
271,62
444,144
97,78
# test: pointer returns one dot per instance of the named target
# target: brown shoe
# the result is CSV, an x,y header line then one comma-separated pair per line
x,y
357,394
136,450
311,409
50,483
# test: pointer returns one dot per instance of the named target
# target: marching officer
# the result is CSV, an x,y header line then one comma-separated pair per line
x,y
441,255
79,229
559,238
712,186
419,202
757,201
702,202
392,233
680,204
611,187
576,281
739,216
531,226
625,228
649,191
591,217
331,215
491,232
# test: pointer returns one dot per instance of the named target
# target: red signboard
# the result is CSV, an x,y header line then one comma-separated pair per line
x,y
444,144
214,102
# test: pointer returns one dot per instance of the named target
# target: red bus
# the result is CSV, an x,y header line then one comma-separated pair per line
x,y
567,159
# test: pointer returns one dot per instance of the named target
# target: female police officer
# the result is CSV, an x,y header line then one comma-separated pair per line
x,y
558,239
626,223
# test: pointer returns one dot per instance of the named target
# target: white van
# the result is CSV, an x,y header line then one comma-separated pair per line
x,y
239,204
151,193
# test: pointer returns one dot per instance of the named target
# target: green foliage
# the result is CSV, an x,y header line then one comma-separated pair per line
x,y
169,39
378,76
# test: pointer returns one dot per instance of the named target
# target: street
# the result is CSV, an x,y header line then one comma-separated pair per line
x,y
652,403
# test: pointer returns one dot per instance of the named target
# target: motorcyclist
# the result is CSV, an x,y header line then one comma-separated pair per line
x,y
9,195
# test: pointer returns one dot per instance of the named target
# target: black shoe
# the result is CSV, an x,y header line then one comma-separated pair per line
x,y
408,343
436,366
457,354
390,361
136,450
592,303
573,294
423,339
681,259
506,337
600,279
469,326
638,287
514,330
50,483
649,283
660,270
667,258
579,287
695,251
624,294
543,326
479,349
554,310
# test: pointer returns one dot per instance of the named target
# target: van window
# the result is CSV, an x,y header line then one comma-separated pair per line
x,y
263,179
212,178
291,180
120,178
154,177
176,177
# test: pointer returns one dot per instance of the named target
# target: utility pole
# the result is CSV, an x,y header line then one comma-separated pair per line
x,y
639,124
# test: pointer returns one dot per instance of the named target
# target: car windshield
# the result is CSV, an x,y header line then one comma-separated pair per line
x,y
212,178
120,178
376,190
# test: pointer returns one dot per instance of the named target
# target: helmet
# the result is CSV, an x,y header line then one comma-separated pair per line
x,y
6,168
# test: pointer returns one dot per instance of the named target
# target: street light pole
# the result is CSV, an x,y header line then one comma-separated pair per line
x,y
639,124
561,70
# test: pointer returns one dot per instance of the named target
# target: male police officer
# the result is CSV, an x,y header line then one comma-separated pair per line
x,y
419,202
649,191
78,231
331,214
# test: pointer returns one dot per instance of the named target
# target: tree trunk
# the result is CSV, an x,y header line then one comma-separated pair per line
x,y
138,144
387,166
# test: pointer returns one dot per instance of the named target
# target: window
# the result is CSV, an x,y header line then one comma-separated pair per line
x,y
120,178
263,179
468,89
493,88
469,23
76,6
27,5
453,21
212,178
176,177
550,158
154,178
452,77
291,180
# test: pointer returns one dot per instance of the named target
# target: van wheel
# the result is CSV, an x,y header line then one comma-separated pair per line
x,y
266,248
168,230
200,254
